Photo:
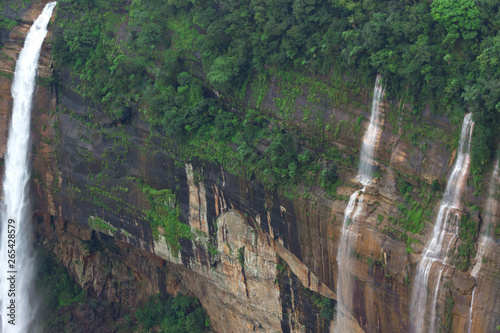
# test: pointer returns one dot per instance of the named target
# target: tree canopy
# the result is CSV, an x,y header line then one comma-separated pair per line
x,y
439,54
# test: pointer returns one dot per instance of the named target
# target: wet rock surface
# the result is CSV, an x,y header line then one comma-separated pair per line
x,y
226,213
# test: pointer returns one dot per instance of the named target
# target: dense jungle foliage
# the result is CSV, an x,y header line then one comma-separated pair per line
x,y
13,9
441,54
180,314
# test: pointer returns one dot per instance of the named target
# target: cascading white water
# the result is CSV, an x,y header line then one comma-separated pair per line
x,y
366,165
443,234
486,242
16,252
353,212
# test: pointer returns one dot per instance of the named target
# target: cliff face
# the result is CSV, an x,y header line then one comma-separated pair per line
x,y
256,259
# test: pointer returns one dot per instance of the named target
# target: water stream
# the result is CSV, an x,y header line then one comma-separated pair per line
x,y
354,211
17,294
486,242
444,233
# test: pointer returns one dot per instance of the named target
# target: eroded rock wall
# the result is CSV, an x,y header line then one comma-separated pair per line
x,y
89,168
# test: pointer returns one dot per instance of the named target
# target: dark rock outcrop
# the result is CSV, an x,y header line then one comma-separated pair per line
x,y
90,168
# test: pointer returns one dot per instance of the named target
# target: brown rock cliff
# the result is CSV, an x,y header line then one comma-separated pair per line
x,y
86,168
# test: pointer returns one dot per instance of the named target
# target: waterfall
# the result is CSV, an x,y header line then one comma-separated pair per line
x,y
18,305
485,240
443,234
355,208
366,165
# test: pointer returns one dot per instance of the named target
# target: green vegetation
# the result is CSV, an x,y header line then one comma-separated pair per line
x,y
413,213
145,71
466,249
448,310
407,280
53,278
57,289
241,256
403,186
435,186
9,76
442,54
101,225
457,16
409,241
164,214
93,245
281,266
7,23
326,305
179,314
400,235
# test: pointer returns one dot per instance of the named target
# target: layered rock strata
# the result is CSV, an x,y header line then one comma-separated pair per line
x,y
86,169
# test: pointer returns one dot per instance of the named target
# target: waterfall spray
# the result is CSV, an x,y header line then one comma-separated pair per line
x,y
435,253
354,210
17,296
486,242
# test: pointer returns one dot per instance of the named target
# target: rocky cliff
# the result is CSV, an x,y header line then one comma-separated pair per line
x,y
258,260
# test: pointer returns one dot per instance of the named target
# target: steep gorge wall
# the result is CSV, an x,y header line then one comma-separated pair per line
x,y
91,168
